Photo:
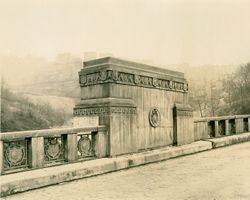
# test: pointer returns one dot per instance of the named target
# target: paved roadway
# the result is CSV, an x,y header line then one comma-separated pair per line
x,y
218,174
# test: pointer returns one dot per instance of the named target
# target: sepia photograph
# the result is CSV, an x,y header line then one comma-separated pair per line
x,y
125,100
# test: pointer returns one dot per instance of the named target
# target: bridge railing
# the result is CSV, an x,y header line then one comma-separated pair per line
x,y
25,150
221,126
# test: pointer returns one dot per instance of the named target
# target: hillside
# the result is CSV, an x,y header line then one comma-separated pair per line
x,y
19,113
64,104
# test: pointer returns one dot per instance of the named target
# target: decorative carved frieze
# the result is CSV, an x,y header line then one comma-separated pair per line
x,y
103,110
110,76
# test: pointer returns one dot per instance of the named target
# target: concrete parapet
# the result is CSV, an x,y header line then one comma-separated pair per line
x,y
229,140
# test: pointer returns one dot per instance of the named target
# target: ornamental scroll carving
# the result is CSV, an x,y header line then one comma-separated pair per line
x,y
131,79
103,110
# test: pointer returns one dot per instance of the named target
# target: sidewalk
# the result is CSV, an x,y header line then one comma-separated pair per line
x,y
19,182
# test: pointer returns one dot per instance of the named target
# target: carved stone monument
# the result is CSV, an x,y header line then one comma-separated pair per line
x,y
136,102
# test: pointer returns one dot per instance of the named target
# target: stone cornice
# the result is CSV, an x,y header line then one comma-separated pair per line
x,y
111,61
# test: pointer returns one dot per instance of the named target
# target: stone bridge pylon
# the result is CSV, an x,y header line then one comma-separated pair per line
x,y
142,106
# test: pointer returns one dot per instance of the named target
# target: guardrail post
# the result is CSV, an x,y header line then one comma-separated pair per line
x,y
100,143
216,128
232,126
1,157
239,125
196,131
249,124
70,144
227,127
36,152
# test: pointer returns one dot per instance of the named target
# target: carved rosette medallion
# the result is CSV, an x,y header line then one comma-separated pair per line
x,y
154,117
170,84
103,75
155,82
84,146
53,148
83,79
115,75
185,87
15,153
136,79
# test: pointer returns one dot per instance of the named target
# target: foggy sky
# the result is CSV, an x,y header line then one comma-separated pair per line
x,y
167,32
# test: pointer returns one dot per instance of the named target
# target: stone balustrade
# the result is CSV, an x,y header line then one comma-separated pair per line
x,y
25,150
220,126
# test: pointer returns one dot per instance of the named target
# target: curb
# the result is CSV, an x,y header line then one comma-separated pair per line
x,y
229,140
23,181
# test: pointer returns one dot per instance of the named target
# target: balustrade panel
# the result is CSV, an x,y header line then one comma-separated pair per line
x,y
15,155
54,149
85,146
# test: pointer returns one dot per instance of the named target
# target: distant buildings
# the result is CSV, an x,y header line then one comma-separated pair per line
x,y
90,55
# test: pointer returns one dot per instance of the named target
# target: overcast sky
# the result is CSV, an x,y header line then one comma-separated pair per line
x,y
165,31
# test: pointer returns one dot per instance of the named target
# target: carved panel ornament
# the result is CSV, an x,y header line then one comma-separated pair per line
x,y
15,154
131,79
53,148
154,117
84,146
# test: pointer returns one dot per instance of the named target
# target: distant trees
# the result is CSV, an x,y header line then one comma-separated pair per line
x,y
236,91
198,100
205,99
226,96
